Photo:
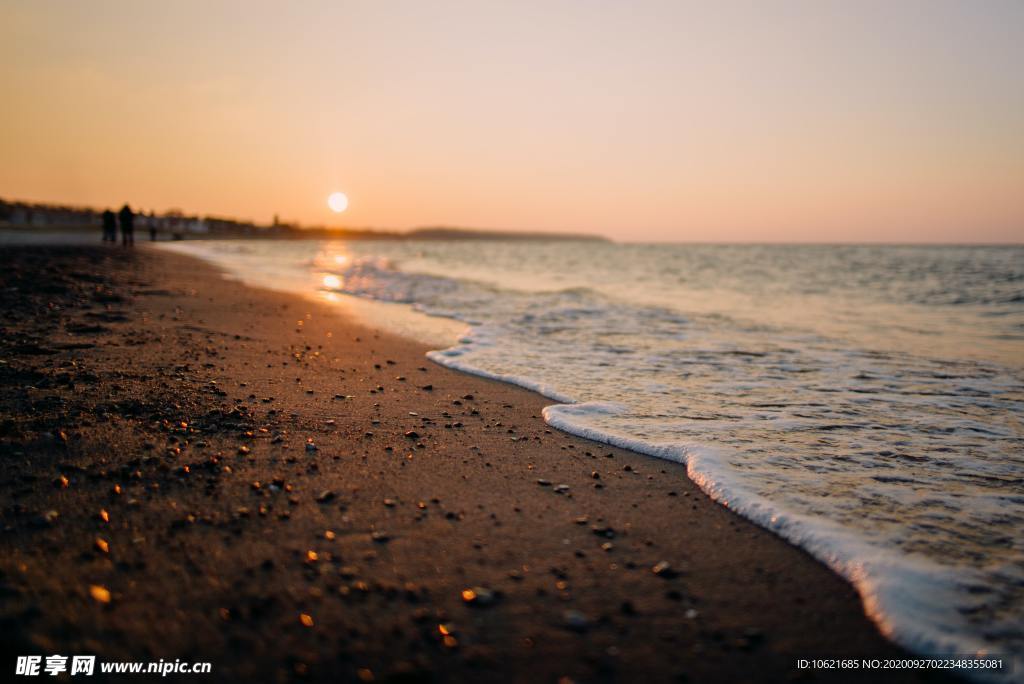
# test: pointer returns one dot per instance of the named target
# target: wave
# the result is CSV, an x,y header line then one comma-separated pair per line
x,y
914,600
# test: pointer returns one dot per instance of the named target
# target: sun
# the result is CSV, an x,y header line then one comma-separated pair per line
x,y
337,202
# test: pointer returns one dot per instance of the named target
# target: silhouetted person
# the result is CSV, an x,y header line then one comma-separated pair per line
x,y
152,226
127,220
109,226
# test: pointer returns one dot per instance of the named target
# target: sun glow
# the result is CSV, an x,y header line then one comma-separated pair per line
x,y
338,202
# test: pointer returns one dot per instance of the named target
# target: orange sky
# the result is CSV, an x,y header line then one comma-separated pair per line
x,y
716,121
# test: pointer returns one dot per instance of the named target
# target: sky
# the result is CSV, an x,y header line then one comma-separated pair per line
x,y
823,121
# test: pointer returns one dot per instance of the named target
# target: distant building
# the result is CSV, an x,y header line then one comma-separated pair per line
x,y
26,215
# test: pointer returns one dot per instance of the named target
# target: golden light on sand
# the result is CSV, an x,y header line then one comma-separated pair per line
x,y
338,202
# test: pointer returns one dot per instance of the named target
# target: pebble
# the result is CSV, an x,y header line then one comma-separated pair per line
x,y
664,569
575,620
99,593
544,483
325,496
561,489
478,596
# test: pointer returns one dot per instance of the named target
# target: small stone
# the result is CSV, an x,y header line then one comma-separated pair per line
x,y
101,545
691,614
412,434
561,489
576,621
99,593
753,633
544,483
325,496
478,596
380,537
664,570
243,450
306,619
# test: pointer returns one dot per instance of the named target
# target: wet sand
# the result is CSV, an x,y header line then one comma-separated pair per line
x,y
199,470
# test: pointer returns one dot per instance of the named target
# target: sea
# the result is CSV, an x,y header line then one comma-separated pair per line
x,y
866,403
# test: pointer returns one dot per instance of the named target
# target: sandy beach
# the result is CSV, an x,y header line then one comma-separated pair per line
x,y
198,470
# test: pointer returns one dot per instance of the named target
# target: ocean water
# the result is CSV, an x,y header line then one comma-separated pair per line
x,y
864,402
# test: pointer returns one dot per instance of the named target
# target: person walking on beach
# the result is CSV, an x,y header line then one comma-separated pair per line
x,y
127,220
109,226
152,226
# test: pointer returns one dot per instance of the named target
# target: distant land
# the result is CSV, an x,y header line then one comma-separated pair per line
x,y
451,233
177,225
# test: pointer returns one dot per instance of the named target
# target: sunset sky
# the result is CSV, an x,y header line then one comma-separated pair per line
x,y
895,120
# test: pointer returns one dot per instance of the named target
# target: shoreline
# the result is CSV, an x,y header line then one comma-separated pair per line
x,y
208,543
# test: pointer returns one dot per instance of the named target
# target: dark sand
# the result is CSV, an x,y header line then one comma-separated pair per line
x,y
144,385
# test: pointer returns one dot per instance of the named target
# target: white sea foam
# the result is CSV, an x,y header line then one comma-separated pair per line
x,y
868,406
908,597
